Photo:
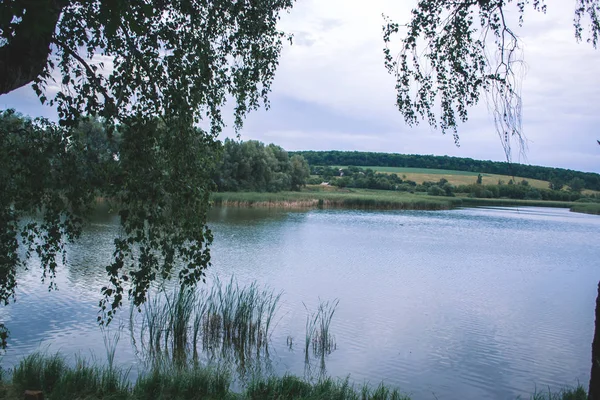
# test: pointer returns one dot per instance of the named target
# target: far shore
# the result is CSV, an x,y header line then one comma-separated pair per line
x,y
312,198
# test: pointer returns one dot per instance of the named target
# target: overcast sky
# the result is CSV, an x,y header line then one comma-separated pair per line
x,y
332,91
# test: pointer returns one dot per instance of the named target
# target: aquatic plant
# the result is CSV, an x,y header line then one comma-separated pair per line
x,y
192,382
318,335
568,393
292,387
228,317
58,380
52,375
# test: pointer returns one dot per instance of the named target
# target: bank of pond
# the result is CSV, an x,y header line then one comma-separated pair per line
x,y
50,377
409,324
326,197
204,344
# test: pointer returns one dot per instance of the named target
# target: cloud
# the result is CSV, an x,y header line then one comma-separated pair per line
x,y
348,99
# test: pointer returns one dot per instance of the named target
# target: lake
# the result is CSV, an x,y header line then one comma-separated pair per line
x,y
467,303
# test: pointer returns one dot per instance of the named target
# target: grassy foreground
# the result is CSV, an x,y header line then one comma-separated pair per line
x,y
52,375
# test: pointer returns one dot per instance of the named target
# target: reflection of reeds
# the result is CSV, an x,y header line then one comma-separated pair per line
x,y
227,317
317,329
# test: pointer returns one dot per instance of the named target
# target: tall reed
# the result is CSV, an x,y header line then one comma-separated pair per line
x,y
224,319
317,329
52,375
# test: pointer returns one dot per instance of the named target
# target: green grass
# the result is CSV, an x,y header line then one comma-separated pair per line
x,y
330,197
472,201
52,375
587,208
317,197
183,383
577,393
58,381
291,387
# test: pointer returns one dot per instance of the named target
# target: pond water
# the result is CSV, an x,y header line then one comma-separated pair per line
x,y
467,303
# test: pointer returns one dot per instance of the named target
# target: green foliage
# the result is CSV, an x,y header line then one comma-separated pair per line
x,y
576,185
435,190
158,177
171,67
356,177
252,166
556,183
400,163
479,179
444,61
300,171
168,58
519,191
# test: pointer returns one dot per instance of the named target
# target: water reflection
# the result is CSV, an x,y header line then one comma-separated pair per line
x,y
471,303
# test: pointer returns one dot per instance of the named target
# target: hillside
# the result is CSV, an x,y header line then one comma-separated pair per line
x,y
369,159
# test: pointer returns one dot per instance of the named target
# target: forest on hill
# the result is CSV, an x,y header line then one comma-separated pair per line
x,y
558,176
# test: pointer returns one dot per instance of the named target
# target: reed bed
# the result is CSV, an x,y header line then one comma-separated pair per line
x,y
228,318
291,387
473,201
52,375
587,208
576,393
318,335
346,198
58,380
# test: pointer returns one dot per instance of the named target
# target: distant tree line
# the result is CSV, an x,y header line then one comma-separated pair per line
x,y
256,167
556,176
356,177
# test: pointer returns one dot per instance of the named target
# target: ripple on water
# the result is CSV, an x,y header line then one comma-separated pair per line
x,y
471,303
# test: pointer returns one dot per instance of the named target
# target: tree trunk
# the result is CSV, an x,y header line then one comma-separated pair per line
x,y
24,57
594,390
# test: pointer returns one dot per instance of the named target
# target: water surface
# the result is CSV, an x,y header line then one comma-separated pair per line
x,y
467,303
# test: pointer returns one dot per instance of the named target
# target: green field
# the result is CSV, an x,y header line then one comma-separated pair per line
x,y
406,170
456,178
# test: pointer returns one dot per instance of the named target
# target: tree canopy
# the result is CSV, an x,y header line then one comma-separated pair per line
x,y
252,166
453,52
151,71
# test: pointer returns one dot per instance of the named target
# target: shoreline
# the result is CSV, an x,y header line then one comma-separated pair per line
x,y
370,200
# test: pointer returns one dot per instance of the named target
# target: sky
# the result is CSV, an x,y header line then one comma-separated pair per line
x,y
332,91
